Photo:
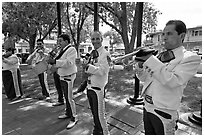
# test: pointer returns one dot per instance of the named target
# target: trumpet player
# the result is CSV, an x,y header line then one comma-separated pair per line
x,y
97,71
165,78
37,56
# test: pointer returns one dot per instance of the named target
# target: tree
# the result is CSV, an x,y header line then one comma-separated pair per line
x,y
115,38
122,17
26,20
74,21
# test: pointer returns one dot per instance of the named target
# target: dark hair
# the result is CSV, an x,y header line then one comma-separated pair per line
x,y
65,37
40,40
180,26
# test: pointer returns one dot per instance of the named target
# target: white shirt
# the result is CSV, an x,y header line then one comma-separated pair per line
x,y
166,82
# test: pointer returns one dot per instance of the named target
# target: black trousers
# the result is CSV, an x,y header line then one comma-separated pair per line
x,y
67,88
152,124
58,87
8,82
96,101
44,84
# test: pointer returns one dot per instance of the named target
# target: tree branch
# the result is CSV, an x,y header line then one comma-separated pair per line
x,y
51,28
110,9
111,25
69,24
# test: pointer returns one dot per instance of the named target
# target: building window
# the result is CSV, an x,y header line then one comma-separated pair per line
x,y
200,33
196,33
81,50
19,50
158,37
193,33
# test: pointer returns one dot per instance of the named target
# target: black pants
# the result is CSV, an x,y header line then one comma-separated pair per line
x,y
96,101
8,82
152,124
44,84
58,87
67,87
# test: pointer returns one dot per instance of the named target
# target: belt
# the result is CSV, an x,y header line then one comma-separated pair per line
x,y
148,99
67,77
96,88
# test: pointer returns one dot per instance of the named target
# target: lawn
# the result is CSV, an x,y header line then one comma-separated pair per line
x,y
120,86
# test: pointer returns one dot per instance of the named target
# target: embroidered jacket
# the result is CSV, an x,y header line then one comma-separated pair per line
x,y
166,82
100,69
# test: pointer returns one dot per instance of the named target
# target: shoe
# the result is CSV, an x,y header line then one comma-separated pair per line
x,y
64,116
58,104
47,98
16,98
23,96
72,123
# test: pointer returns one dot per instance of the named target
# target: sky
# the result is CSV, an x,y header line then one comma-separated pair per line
x,y
189,11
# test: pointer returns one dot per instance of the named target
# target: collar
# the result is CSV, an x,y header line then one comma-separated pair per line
x,y
100,49
178,51
65,47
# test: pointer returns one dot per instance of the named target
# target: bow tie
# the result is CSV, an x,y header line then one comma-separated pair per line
x,y
94,54
166,56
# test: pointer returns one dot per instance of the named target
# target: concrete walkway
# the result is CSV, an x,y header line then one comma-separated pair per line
x,y
30,116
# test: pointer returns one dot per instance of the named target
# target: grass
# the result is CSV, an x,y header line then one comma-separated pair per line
x,y
120,86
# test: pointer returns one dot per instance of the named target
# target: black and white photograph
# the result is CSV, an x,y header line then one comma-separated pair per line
x,y
101,67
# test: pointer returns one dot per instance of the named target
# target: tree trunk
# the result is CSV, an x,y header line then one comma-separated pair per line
x,y
32,39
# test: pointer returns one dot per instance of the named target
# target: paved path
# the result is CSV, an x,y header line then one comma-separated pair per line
x,y
30,116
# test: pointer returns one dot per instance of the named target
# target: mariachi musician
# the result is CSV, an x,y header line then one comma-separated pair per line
x,y
98,70
66,70
37,57
11,75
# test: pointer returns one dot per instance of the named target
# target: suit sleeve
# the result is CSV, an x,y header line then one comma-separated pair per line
x,y
180,75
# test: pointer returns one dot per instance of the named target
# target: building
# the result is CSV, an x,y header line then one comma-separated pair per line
x,y
192,41
23,46
85,48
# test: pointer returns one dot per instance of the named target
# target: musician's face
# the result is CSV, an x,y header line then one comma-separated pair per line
x,y
171,38
62,42
96,40
39,45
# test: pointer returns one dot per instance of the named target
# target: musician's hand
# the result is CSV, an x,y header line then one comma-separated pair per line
x,y
51,61
140,64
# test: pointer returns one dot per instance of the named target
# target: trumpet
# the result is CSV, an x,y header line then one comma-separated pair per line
x,y
140,51
115,60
